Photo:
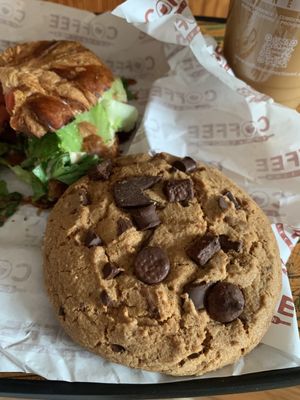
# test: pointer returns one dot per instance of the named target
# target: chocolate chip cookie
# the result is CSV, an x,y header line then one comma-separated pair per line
x,y
163,264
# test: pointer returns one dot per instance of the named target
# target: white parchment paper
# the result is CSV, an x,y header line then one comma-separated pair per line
x,y
193,105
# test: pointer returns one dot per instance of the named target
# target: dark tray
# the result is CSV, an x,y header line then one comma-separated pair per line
x,y
45,389
202,387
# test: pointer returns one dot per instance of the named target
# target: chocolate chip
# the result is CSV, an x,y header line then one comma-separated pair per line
x,y
171,170
123,224
197,294
231,197
105,299
222,203
84,197
110,271
101,171
194,355
227,244
145,217
186,164
117,348
128,193
152,265
61,312
185,203
92,239
179,190
224,302
203,249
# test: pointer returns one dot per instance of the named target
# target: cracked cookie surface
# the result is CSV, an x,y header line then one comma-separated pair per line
x,y
162,264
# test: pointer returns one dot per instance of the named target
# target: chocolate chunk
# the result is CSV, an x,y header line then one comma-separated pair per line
x,y
186,164
222,203
147,238
144,182
224,302
105,299
179,190
231,197
92,239
128,193
117,348
203,249
84,197
123,224
197,294
101,171
152,265
110,271
227,244
145,217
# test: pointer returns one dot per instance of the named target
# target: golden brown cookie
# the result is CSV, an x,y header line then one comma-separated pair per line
x,y
162,264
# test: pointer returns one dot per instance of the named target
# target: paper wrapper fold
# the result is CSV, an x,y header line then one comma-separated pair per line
x,y
193,105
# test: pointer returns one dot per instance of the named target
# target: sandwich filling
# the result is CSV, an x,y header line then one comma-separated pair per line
x,y
59,114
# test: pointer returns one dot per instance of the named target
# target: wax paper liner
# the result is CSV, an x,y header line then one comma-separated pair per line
x,y
193,105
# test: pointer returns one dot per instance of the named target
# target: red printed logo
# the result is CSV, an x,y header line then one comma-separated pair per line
x,y
251,128
218,54
296,233
11,14
132,67
92,32
285,309
177,100
252,95
231,133
165,7
187,28
283,235
280,166
16,273
269,203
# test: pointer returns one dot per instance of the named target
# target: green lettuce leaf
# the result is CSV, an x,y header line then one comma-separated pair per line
x,y
44,148
52,156
110,115
126,83
3,148
67,172
3,188
38,187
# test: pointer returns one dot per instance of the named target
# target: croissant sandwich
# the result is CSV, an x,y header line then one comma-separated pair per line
x,y
60,110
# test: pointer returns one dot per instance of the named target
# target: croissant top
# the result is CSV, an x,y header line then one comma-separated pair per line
x,y
47,83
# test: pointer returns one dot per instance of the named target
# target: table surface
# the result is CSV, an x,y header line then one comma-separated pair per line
x,y
212,8
215,8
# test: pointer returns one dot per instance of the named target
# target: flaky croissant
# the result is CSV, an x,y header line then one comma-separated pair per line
x,y
47,83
